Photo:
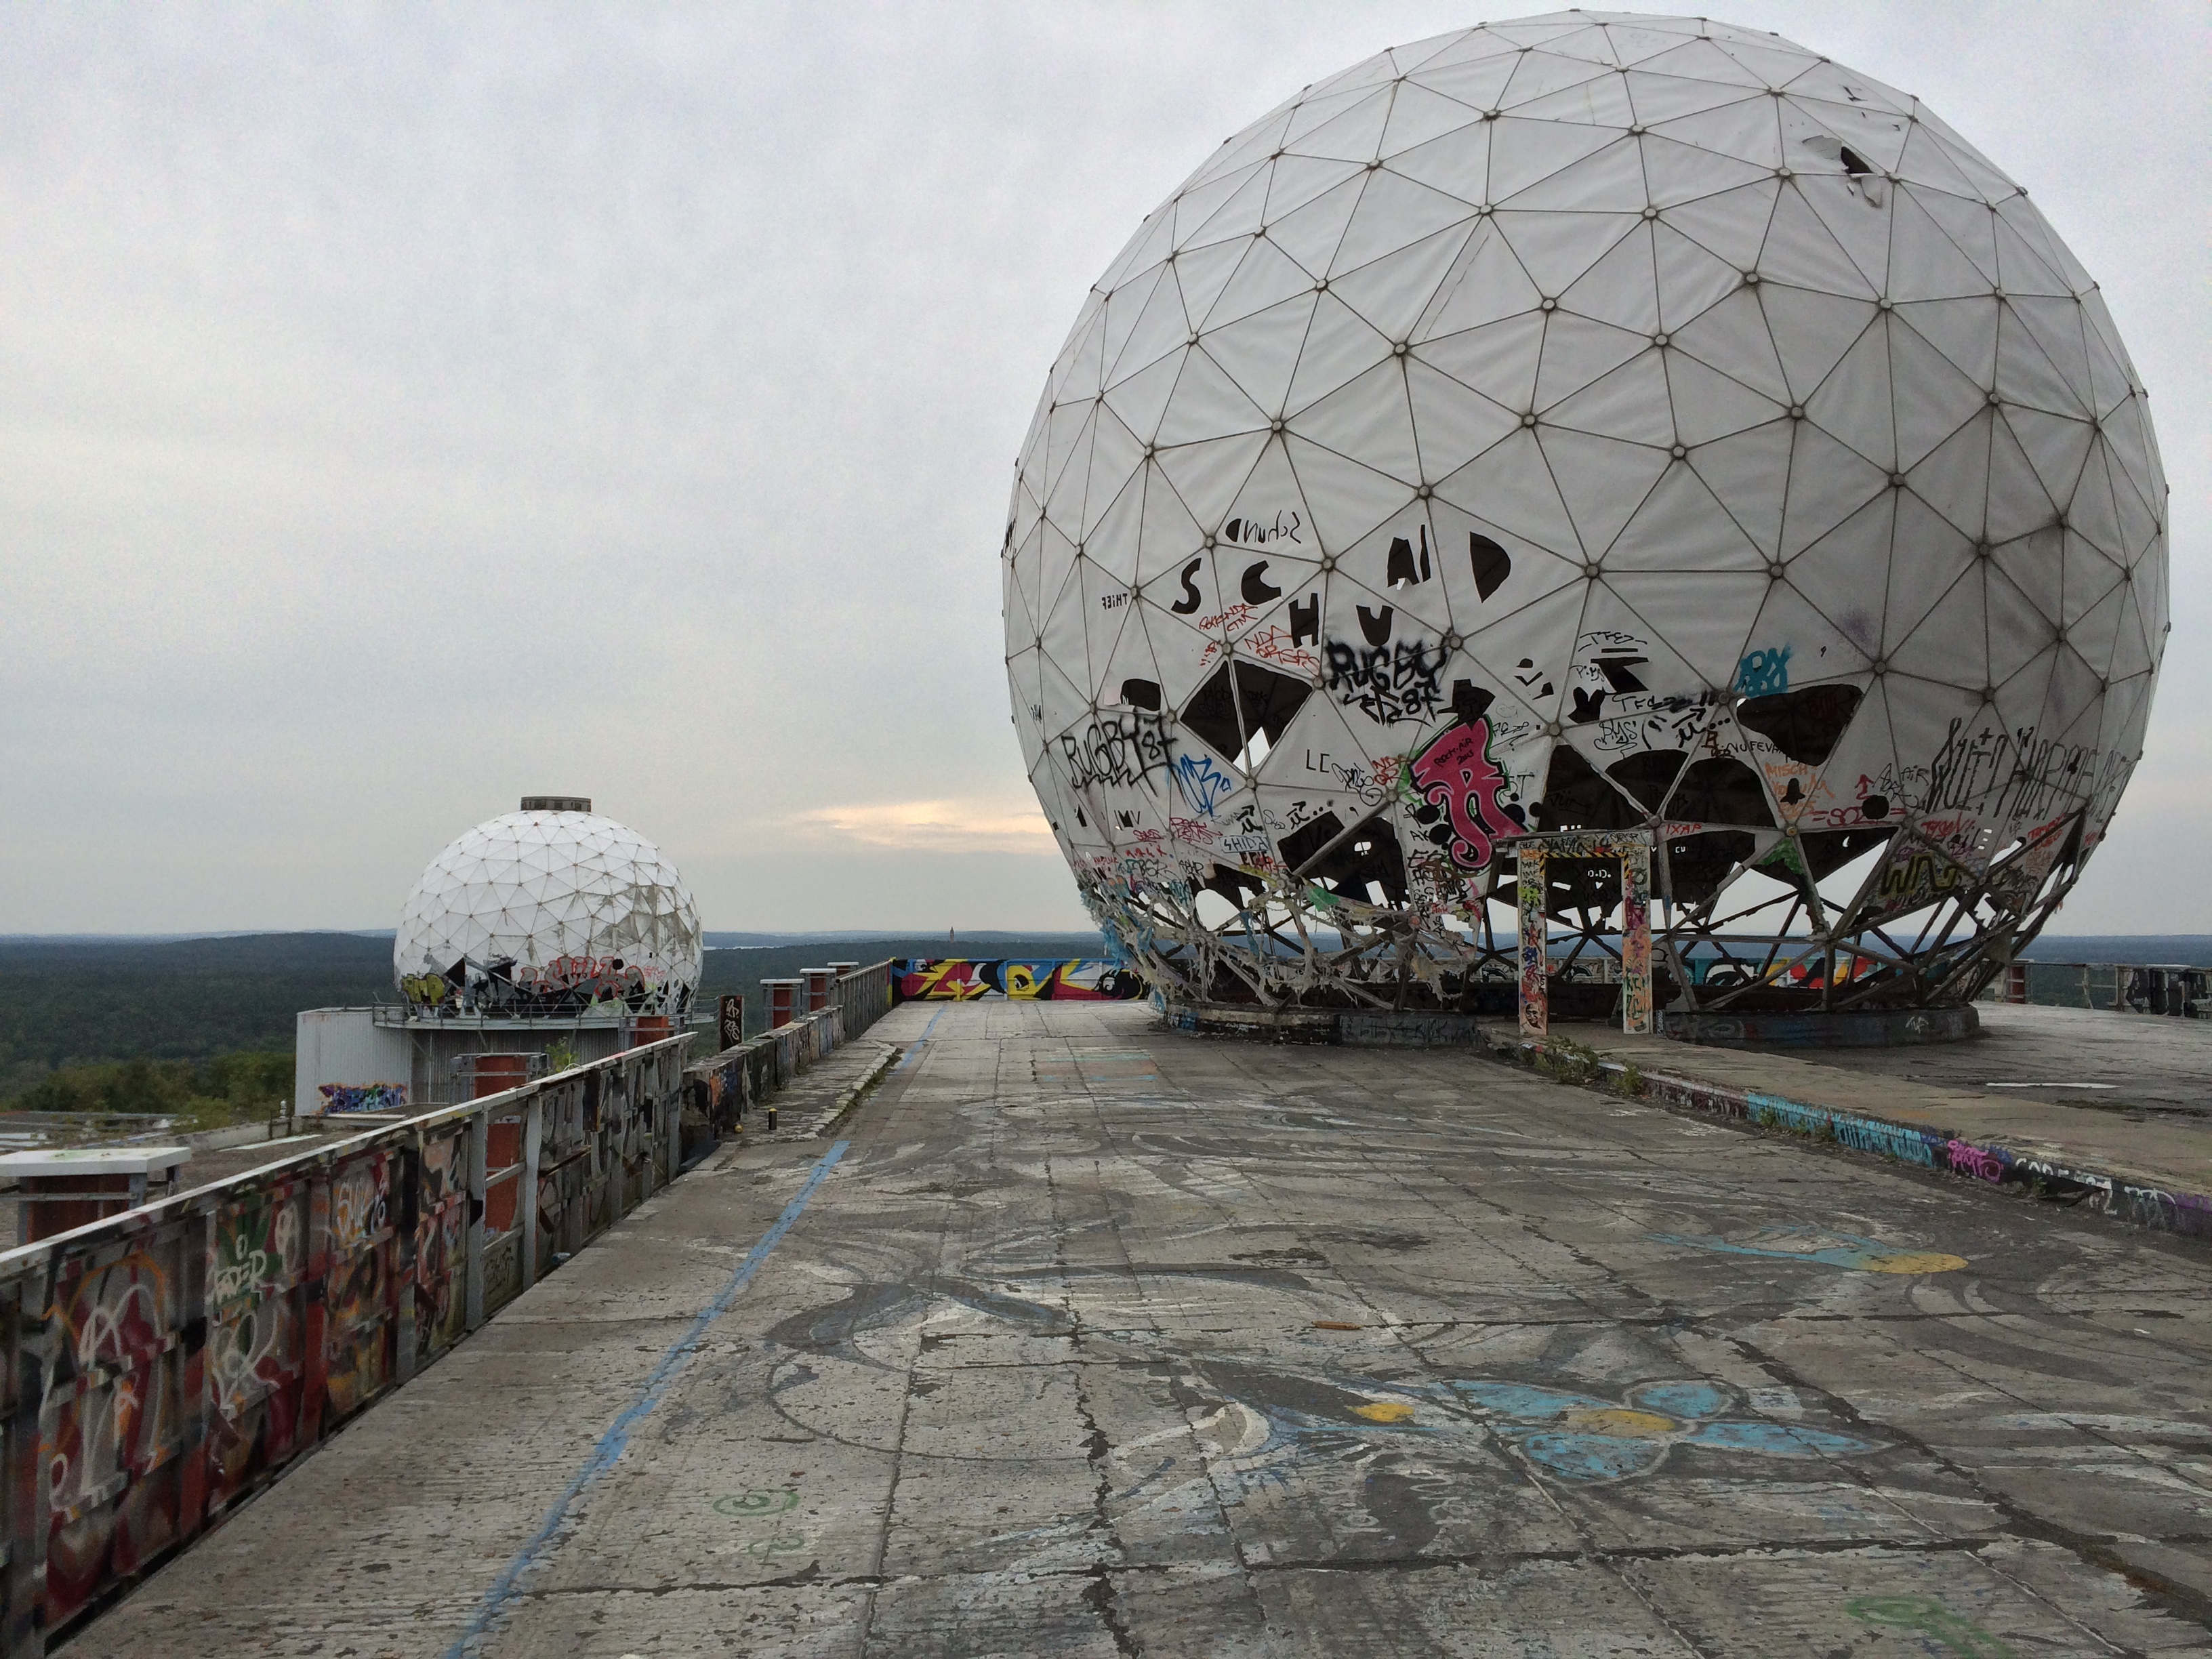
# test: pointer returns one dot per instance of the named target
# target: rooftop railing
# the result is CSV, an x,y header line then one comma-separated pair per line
x,y
164,1363
2169,988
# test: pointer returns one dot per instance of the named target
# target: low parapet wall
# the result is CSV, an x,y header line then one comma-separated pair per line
x,y
2144,1201
718,1091
163,1364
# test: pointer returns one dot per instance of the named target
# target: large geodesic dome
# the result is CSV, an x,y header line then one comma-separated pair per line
x,y
1591,422
551,910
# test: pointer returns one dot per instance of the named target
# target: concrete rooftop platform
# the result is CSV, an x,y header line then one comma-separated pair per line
x,y
1101,1339
2141,1065
2127,1095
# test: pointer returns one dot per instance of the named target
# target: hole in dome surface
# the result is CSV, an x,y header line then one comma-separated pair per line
x,y
1697,864
1647,776
1592,885
1803,725
1721,790
1577,798
1142,694
1827,851
1360,865
1270,701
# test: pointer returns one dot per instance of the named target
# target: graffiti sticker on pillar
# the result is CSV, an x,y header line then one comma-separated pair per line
x,y
1456,772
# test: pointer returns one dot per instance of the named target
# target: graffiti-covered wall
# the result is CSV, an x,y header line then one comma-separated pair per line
x,y
964,979
162,1364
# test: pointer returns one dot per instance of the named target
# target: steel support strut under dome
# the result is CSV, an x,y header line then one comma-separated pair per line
x,y
1590,423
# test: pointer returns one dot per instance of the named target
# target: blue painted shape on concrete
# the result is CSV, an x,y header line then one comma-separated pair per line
x,y
616,1440
1579,1437
1594,1457
1847,1250
1778,1440
1526,1402
914,1053
1682,1399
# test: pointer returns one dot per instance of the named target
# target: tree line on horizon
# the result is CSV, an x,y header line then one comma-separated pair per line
x,y
87,1006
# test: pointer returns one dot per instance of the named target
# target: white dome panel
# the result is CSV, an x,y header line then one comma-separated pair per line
x,y
1683,430
549,913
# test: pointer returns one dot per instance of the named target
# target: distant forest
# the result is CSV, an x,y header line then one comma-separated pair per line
x,y
83,1002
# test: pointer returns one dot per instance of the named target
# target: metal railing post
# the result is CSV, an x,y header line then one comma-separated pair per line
x,y
673,1133
533,1139
479,1162
29,1471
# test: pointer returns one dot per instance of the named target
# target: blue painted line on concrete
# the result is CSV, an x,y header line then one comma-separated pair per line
x,y
914,1053
616,1440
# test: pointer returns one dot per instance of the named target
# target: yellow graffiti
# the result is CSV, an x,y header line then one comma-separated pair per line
x,y
1618,1422
1914,1262
1384,1410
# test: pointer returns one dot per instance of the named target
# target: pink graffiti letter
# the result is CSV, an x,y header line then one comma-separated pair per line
x,y
1456,772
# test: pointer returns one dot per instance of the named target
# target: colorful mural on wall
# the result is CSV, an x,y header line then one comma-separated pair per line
x,y
363,1096
963,979
179,1355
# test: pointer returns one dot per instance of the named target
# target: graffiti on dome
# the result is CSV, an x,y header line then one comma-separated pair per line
x,y
1389,683
1762,673
1118,750
1913,875
1354,776
1251,531
567,984
2019,773
1455,775
1273,644
1203,783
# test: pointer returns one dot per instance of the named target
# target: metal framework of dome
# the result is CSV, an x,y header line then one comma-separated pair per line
x,y
552,911
1595,421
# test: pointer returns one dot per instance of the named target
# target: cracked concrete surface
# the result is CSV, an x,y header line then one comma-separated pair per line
x,y
1103,1339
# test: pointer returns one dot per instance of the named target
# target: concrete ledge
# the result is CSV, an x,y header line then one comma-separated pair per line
x,y
1877,1029
2144,1202
1262,1024
1354,1028
1385,1029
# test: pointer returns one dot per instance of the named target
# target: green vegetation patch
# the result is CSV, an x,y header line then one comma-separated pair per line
x,y
210,1094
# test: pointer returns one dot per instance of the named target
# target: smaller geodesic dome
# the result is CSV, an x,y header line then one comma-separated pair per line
x,y
552,910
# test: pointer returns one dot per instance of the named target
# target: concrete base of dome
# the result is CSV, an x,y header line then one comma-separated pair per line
x,y
1352,1028
1884,1028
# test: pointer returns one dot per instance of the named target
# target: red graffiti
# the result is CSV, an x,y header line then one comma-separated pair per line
x,y
1456,772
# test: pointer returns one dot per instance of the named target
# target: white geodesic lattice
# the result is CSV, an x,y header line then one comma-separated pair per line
x,y
548,912
1588,421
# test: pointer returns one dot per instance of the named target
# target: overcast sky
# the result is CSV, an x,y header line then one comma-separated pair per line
x,y
404,409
